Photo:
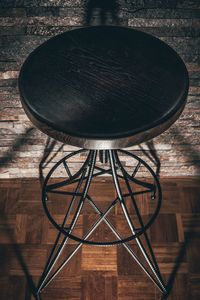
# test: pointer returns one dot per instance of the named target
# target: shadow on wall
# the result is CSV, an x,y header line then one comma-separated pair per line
x,y
102,12
190,152
46,159
152,155
18,144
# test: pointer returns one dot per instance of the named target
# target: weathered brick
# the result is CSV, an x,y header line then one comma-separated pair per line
x,y
25,24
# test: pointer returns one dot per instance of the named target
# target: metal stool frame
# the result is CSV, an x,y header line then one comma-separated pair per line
x,y
84,178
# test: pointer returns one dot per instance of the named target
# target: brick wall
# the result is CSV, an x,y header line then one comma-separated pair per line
x,y
25,24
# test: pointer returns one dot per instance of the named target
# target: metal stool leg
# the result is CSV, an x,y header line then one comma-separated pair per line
x,y
84,178
137,210
113,158
51,262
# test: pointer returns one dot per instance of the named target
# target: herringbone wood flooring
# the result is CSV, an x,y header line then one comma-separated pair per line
x,y
97,273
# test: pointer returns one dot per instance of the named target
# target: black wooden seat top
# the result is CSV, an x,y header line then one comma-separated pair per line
x,y
103,87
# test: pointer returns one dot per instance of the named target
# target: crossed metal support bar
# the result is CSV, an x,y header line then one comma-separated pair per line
x,y
84,178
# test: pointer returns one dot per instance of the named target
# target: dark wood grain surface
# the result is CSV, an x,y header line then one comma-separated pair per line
x,y
103,83
97,273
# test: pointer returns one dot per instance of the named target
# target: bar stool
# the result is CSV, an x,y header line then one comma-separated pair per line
x,y
103,88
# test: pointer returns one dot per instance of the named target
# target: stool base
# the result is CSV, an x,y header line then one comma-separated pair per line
x,y
83,178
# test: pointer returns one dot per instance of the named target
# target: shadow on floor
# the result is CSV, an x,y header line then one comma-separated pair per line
x,y
19,256
178,262
191,235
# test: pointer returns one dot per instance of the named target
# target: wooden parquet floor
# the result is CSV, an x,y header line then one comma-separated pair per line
x,y
99,273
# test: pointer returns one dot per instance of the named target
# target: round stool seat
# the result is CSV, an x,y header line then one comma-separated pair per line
x,y
103,87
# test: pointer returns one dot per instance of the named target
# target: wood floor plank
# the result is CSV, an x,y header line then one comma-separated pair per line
x,y
99,286
99,273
